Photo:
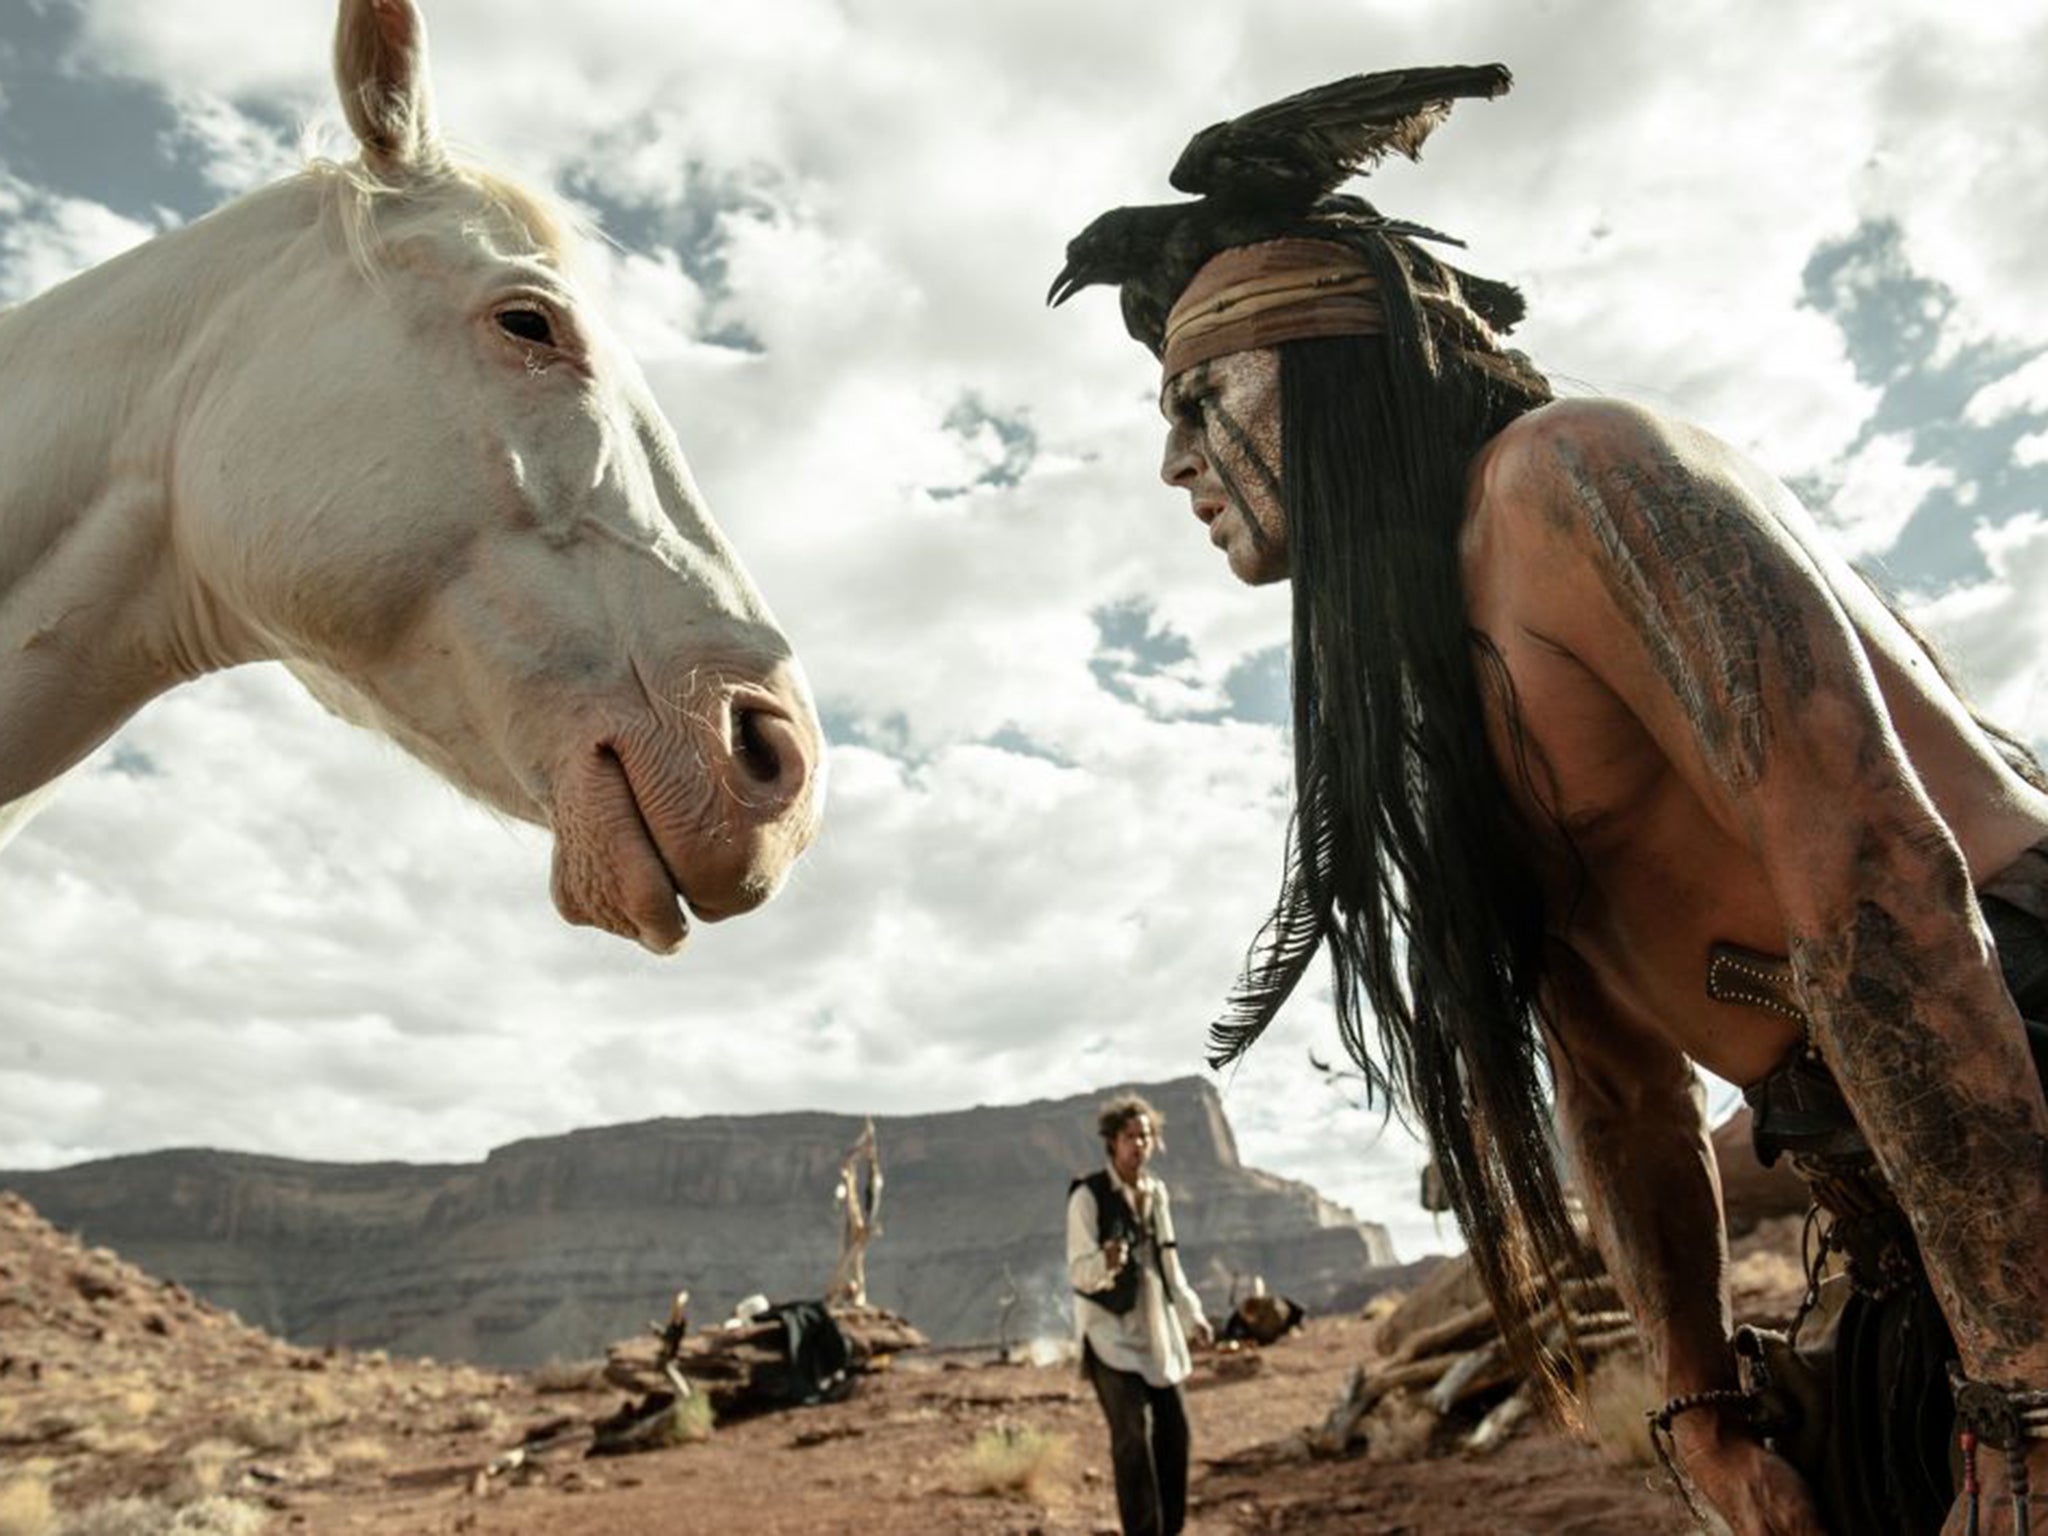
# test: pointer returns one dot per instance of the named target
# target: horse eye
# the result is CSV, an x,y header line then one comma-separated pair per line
x,y
526,325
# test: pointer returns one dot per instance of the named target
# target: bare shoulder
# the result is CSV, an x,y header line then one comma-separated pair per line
x,y
1575,486
1543,463
1532,442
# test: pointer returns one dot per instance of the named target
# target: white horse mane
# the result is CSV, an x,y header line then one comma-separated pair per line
x,y
355,191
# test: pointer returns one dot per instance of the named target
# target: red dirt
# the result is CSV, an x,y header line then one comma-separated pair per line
x,y
112,1384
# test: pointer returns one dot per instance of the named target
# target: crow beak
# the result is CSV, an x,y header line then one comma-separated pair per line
x,y
1066,285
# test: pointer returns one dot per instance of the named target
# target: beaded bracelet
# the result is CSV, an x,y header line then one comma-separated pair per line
x,y
1661,1438
2002,1417
1713,1397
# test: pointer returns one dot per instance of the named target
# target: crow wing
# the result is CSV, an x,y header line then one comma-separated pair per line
x,y
1312,142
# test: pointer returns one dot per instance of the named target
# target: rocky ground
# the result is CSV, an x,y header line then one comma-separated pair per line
x,y
128,1408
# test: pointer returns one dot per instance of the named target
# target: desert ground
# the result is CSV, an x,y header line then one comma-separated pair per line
x,y
130,1408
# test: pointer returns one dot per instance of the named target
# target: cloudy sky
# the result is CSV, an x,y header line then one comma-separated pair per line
x,y
1059,779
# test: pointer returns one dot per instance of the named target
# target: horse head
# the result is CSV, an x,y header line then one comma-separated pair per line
x,y
418,469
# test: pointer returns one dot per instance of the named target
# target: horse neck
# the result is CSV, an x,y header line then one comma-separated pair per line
x,y
88,357
94,620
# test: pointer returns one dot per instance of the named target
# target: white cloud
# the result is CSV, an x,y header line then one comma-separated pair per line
x,y
1997,630
1874,493
236,153
45,239
290,939
2024,390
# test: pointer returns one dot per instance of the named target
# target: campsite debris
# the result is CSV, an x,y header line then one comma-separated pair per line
x,y
765,1357
790,1355
1259,1317
729,1363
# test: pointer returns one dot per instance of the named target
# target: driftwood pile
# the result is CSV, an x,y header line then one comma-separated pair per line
x,y
1458,1369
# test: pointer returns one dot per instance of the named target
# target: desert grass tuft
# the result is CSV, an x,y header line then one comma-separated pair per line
x,y
270,1428
26,1508
1016,1461
359,1453
120,1517
213,1516
692,1421
478,1416
1619,1396
205,1470
1400,1428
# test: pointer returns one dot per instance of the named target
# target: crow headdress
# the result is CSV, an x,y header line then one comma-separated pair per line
x,y
1273,174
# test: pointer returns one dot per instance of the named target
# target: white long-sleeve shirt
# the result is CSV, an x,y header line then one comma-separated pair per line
x,y
1151,1338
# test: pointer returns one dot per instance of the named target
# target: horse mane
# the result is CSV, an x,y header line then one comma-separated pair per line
x,y
355,192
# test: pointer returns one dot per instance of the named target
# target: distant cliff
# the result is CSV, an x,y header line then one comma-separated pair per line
x,y
551,1247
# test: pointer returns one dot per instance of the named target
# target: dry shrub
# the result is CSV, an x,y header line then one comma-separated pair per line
x,y
272,1428
206,1468
468,1381
148,1517
358,1453
568,1376
1399,1428
137,1403
120,1517
316,1400
117,1444
25,1507
1619,1396
218,1517
1016,1461
280,1428
479,1416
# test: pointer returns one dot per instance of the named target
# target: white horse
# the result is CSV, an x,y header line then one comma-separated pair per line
x,y
361,422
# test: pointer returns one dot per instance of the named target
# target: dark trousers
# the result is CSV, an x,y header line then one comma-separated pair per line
x,y
1148,1444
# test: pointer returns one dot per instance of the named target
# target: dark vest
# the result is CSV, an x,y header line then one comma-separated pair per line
x,y
1114,1219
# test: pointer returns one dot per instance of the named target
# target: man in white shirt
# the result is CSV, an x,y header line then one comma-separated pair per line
x,y
1134,1311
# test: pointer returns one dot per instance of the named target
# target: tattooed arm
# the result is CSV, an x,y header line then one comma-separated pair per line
x,y
1633,1120
1668,573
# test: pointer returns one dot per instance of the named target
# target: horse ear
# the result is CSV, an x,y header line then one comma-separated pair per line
x,y
380,65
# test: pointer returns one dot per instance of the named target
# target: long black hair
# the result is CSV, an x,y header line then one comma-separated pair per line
x,y
1406,859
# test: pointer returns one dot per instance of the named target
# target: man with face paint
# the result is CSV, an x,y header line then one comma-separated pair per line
x,y
1606,765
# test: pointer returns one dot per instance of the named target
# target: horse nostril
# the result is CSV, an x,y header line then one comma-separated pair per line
x,y
754,748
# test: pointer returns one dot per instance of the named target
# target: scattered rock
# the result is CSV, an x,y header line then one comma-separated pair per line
x,y
93,1285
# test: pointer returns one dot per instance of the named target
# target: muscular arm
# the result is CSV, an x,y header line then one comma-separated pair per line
x,y
1634,1126
1669,574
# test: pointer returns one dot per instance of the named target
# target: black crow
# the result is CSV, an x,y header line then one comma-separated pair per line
x,y
1264,175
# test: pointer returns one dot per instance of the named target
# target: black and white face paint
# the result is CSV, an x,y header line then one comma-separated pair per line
x,y
1223,448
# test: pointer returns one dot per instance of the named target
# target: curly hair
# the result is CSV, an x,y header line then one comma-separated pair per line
x,y
1121,1111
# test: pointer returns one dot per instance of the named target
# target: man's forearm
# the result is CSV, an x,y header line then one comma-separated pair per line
x,y
1651,1190
1912,1015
